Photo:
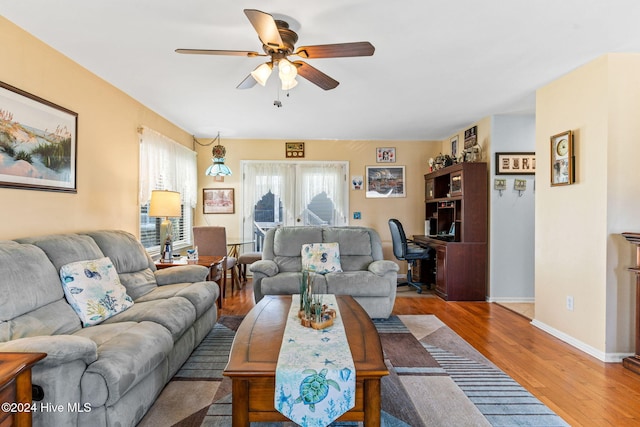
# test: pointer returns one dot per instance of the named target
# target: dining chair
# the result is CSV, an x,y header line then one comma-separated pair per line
x,y
212,240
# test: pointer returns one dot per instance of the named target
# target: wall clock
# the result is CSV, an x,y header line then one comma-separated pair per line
x,y
562,159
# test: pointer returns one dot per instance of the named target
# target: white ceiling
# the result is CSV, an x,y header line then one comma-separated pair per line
x,y
438,65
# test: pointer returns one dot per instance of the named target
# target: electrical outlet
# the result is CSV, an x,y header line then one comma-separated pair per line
x,y
569,303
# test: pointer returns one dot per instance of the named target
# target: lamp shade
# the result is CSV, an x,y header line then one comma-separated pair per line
x,y
218,168
164,203
262,73
287,70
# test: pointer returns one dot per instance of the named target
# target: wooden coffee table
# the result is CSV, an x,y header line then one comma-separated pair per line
x,y
255,350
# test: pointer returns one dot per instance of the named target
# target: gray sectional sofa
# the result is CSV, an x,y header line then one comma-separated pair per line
x,y
366,276
116,368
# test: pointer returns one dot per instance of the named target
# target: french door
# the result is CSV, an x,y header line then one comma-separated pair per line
x,y
293,193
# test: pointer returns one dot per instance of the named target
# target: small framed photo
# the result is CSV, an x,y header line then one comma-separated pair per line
x,y
454,147
218,201
470,137
385,181
294,150
515,163
385,155
562,159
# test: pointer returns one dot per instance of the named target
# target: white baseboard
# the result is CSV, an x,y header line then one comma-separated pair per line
x,y
600,355
527,300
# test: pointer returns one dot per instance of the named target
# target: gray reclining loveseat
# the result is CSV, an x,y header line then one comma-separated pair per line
x,y
365,275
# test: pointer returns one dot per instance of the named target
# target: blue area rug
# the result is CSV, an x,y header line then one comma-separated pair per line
x,y
436,379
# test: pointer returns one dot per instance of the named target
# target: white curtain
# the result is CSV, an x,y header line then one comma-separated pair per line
x,y
261,177
166,165
316,178
295,184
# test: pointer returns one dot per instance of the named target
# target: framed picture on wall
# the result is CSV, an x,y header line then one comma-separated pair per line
x,y
384,181
39,142
562,159
454,146
385,155
218,201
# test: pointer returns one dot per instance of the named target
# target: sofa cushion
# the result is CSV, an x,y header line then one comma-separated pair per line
x,y
358,284
127,353
321,258
94,290
176,314
28,280
56,318
356,248
202,295
130,259
289,283
288,241
63,249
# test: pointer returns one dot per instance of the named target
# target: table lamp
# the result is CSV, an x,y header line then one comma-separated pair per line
x,y
165,204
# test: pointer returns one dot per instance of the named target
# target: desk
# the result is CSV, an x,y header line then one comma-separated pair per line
x,y
15,386
215,264
460,268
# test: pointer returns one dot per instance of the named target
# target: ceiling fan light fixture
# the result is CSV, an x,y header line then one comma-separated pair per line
x,y
289,84
286,70
262,72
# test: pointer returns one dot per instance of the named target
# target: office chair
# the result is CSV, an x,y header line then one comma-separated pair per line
x,y
405,250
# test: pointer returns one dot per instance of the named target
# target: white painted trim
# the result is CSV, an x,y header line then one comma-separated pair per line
x,y
527,300
602,356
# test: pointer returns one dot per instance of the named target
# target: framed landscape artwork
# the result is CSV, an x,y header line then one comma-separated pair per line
x,y
385,181
38,142
218,201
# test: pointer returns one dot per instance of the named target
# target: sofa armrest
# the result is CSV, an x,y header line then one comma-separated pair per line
x,y
181,274
59,348
382,267
267,267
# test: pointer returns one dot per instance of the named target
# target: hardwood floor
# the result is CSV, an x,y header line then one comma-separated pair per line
x,y
578,387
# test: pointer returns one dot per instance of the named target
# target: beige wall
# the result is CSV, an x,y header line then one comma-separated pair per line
x,y
107,161
409,210
579,251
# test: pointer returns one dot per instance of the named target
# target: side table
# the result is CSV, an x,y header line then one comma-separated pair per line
x,y
15,387
215,264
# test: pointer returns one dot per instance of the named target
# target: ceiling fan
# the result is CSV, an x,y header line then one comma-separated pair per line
x,y
278,42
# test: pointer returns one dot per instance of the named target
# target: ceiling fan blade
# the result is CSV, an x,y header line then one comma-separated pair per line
x,y
338,50
219,52
316,76
266,28
247,83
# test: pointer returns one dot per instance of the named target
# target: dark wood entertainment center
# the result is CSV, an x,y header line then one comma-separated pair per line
x,y
457,195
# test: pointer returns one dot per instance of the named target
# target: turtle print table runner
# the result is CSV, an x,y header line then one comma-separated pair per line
x,y
315,374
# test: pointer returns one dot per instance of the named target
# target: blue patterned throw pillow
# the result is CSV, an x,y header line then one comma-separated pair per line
x,y
321,258
94,290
